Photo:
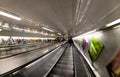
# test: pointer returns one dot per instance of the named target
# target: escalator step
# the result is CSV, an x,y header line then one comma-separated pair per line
x,y
61,72
64,59
67,56
68,53
53,75
65,67
70,56
66,62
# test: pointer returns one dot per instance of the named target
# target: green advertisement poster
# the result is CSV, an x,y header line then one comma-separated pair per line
x,y
95,48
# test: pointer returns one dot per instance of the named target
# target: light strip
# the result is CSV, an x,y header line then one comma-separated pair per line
x,y
47,29
113,23
59,33
9,15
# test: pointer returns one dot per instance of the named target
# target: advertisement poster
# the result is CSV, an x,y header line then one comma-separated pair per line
x,y
95,48
114,66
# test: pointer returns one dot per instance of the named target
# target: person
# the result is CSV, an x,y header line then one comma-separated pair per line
x,y
70,41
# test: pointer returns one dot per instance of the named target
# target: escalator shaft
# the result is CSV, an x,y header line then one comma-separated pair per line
x,y
63,62
64,67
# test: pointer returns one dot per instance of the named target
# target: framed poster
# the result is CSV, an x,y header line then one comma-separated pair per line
x,y
114,66
95,48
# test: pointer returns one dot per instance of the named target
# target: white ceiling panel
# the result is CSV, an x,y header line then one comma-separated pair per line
x,y
98,9
62,15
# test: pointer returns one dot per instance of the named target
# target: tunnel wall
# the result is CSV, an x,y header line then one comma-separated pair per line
x,y
111,41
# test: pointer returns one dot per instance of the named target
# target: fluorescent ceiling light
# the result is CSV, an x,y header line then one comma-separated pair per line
x,y
47,29
59,33
113,23
9,15
0,30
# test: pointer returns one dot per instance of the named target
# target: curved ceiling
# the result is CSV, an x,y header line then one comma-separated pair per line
x,y
64,16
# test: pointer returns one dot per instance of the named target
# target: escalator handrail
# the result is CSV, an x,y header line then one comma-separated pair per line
x,y
75,70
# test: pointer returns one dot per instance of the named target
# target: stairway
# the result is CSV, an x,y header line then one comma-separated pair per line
x,y
64,67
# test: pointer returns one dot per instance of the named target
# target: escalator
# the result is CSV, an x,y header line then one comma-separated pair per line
x,y
71,64
65,61
64,67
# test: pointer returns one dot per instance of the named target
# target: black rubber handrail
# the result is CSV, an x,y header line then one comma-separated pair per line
x,y
20,67
75,71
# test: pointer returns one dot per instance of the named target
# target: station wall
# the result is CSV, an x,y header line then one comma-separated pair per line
x,y
111,41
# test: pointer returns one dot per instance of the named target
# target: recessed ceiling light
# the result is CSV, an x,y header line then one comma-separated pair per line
x,y
9,15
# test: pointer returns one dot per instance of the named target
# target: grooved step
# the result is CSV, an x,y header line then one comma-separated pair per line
x,y
67,57
66,62
63,59
70,57
64,67
61,72
67,53
53,75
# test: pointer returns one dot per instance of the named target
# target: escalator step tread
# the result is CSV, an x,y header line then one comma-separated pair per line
x,y
53,75
64,66
61,72
66,59
67,56
65,62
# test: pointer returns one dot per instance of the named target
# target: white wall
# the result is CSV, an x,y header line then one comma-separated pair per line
x,y
111,41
